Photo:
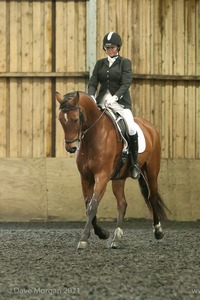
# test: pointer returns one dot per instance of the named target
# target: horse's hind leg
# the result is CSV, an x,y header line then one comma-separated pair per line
x,y
118,191
158,215
149,188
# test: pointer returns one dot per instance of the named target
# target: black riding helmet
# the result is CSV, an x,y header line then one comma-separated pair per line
x,y
111,39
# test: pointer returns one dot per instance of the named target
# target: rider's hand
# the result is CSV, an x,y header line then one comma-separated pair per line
x,y
111,100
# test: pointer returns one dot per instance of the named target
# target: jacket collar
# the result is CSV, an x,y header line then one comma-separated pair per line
x,y
115,62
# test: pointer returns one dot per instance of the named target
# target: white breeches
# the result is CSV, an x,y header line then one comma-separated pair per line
x,y
127,116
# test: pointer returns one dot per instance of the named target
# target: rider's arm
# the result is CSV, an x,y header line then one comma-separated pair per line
x,y
126,78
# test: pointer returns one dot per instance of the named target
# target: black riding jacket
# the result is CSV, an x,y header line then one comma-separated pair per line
x,y
117,79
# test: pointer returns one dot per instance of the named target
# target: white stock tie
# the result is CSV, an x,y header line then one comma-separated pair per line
x,y
111,60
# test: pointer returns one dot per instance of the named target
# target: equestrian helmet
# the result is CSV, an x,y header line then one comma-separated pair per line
x,y
111,39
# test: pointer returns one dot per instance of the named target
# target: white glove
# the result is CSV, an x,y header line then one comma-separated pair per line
x,y
110,100
93,97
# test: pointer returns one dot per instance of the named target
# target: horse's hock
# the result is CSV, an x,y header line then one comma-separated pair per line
x,y
49,189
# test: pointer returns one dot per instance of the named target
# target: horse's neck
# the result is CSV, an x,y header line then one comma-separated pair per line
x,y
91,114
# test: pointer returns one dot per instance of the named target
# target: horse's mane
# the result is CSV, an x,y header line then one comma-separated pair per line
x,y
69,95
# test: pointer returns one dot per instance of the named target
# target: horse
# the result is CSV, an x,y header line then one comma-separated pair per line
x,y
89,129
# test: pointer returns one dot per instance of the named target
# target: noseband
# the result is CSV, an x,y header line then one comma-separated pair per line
x,y
80,134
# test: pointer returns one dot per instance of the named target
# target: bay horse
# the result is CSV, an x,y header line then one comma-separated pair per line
x,y
99,150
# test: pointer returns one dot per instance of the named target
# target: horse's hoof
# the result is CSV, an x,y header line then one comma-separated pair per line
x,y
104,234
117,238
114,245
83,245
158,235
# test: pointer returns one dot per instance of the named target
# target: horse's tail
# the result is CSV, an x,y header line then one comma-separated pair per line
x,y
159,204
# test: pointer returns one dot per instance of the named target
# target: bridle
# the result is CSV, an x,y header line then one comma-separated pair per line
x,y
82,132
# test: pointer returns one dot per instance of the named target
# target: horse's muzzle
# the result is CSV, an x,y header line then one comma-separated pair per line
x,y
72,150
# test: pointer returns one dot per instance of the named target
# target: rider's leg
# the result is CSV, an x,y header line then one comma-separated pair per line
x,y
133,143
133,147
133,137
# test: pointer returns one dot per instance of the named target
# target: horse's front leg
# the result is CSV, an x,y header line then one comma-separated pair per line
x,y
118,191
101,232
87,189
92,194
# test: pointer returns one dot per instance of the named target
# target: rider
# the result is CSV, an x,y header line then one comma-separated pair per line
x,y
114,74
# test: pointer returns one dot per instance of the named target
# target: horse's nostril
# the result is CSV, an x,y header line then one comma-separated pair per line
x,y
72,150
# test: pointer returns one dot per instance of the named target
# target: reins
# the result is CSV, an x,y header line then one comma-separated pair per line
x,y
85,131
81,134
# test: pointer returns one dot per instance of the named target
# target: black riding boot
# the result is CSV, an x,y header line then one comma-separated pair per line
x,y
133,147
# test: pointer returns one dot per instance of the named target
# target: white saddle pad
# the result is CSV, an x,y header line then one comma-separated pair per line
x,y
141,139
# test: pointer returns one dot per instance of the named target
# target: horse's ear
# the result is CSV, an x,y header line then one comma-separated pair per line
x,y
59,97
77,97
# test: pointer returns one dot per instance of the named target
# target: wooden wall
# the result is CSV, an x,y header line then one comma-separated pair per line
x,y
25,102
161,37
39,53
43,49
49,189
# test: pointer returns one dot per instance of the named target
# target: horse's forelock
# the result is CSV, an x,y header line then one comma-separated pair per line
x,y
65,105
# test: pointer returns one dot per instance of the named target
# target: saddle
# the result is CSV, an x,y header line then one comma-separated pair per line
x,y
122,133
121,128
123,136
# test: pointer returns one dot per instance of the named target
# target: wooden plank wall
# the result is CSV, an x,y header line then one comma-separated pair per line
x,y
25,104
28,72
30,191
161,37
49,37
70,53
